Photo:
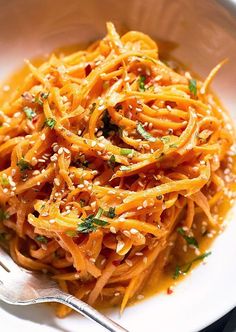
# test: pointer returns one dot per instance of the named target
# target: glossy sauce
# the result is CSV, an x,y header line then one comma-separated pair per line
x,y
159,281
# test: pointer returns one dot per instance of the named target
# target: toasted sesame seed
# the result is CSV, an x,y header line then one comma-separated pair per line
x,y
120,246
57,182
43,137
140,297
134,231
129,262
145,204
145,260
113,230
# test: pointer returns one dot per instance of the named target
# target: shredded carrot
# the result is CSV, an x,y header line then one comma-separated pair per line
x,y
105,154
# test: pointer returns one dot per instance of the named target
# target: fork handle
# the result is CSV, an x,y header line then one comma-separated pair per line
x,y
88,311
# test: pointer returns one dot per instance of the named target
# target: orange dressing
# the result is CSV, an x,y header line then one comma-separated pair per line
x,y
163,281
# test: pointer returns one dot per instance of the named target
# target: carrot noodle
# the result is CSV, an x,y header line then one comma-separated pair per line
x,y
105,154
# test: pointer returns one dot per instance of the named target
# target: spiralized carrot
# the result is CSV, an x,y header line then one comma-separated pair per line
x,y
108,157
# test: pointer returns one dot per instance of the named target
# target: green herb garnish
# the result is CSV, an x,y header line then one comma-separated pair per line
x,y
90,224
189,239
3,215
192,85
112,162
99,213
173,146
50,122
141,83
29,112
180,270
125,152
145,134
165,139
41,239
82,202
4,181
108,126
111,213
24,165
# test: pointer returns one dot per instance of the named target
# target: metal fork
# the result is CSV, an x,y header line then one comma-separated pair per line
x,y
22,287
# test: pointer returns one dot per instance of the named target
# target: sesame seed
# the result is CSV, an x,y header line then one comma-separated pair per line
x,y
145,204
116,294
129,262
126,233
145,260
52,221
120,246
36,172
57,182
54,157
5,190
134,231
113,230
93,144
43,137
140,297
60,151
138,254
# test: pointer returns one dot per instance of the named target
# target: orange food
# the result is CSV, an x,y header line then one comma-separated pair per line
x,y
107,157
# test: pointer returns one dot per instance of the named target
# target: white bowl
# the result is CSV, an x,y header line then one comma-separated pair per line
x,y
202,33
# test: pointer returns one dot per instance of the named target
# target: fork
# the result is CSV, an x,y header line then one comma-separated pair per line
x,y
22,287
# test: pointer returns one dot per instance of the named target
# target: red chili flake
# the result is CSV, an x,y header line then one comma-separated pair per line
x,y
169,291
116,262
88,69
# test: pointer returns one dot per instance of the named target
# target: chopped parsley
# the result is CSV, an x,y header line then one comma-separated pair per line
x,y
90,223
24,165
50,122
173,146
125,152
165,139
112,162
3,215
81,162
82,202
145,134
38,99
92,107
107,125
192,85
180,270
111,213
41,239
189,239
29,112
4,181
141,83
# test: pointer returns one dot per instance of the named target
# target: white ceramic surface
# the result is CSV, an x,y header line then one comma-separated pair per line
x,y
203,33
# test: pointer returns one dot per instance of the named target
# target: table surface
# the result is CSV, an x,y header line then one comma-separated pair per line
x,y
225,324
